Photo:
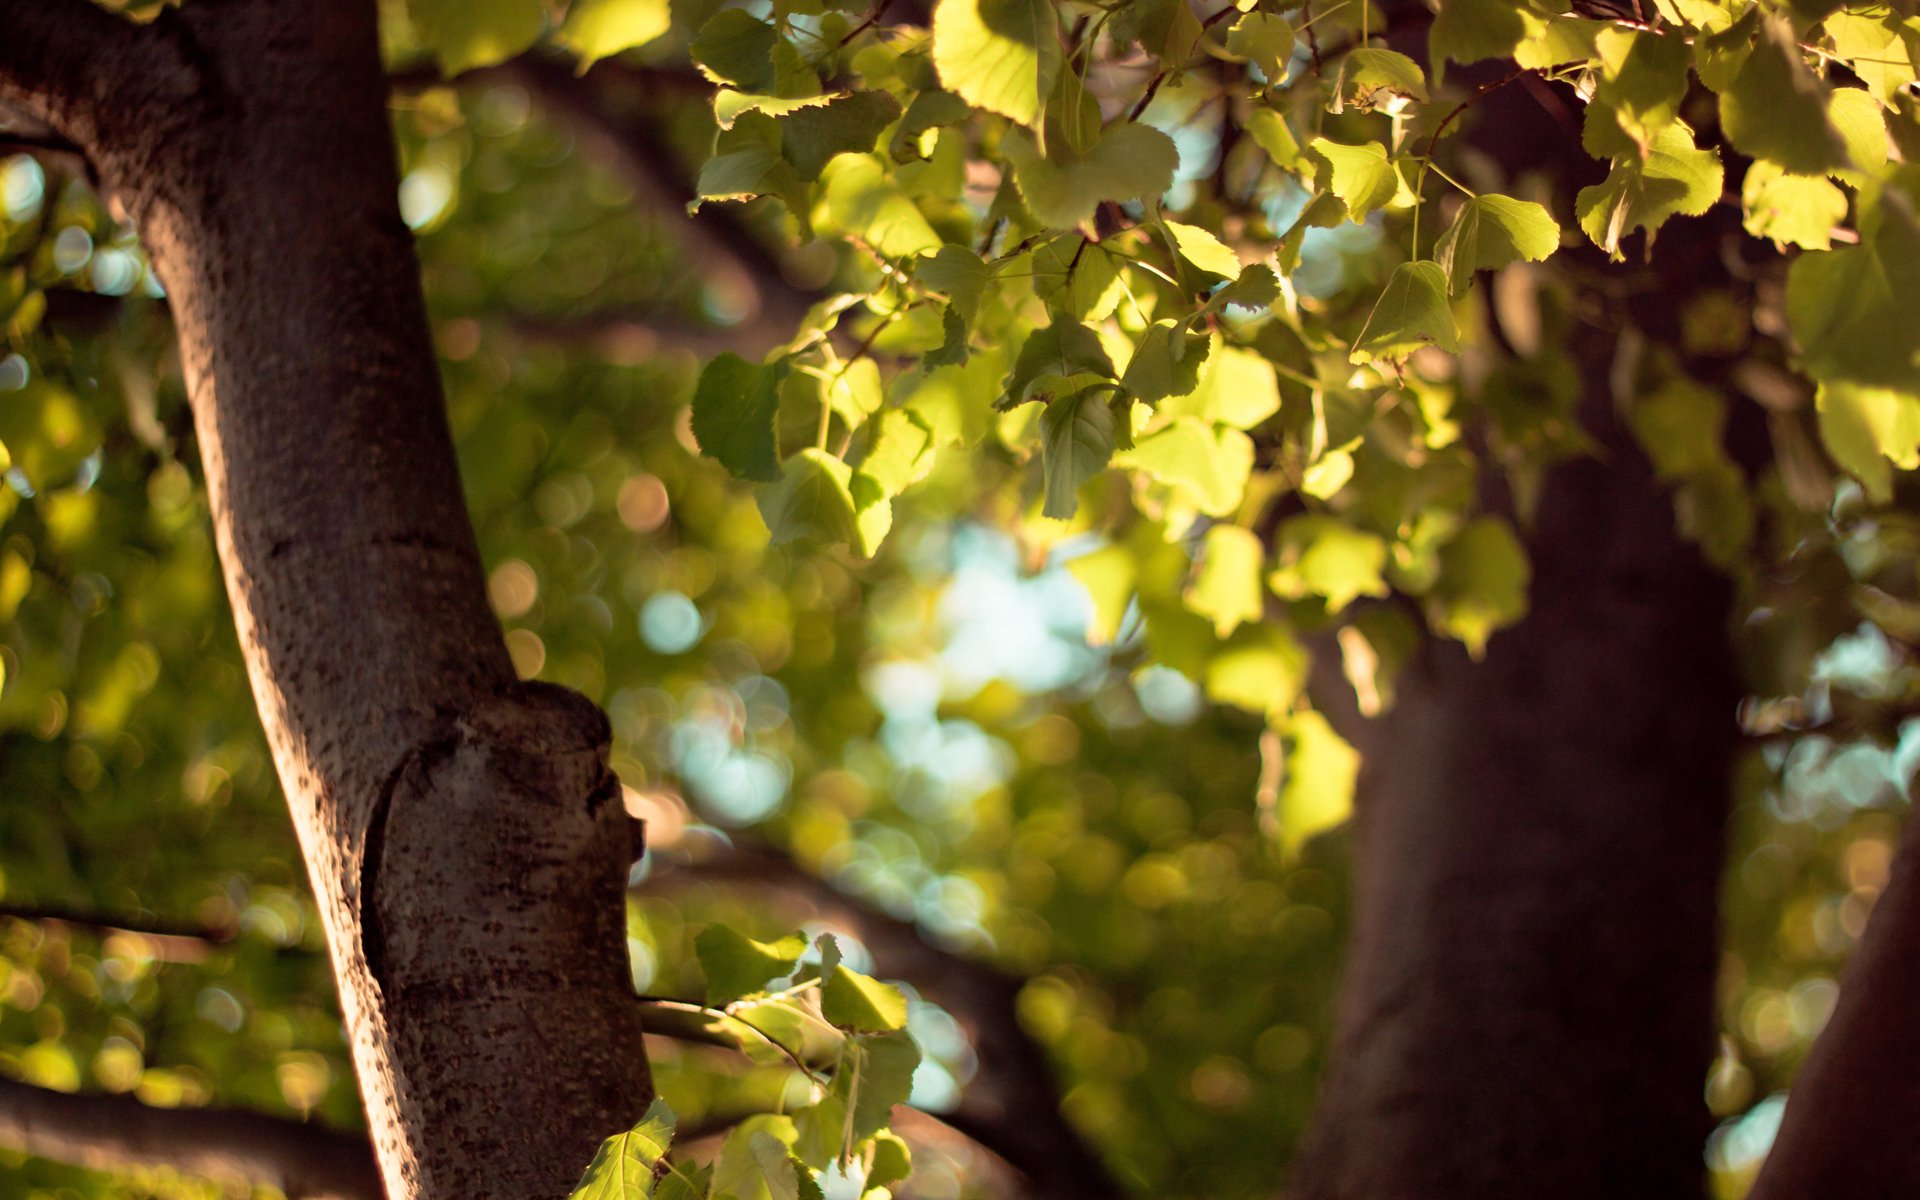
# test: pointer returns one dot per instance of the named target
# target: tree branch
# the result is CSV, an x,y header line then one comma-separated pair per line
x,y
105,1132
170,941
60,61
1013,1106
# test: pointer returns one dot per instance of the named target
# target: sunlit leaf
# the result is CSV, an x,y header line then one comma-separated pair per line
x,y
1000,55
629,1165
1412,312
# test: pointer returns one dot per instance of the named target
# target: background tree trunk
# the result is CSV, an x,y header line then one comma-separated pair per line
x,y
464,838
1528,1007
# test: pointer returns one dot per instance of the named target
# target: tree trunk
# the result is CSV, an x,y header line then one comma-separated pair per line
x,y
461,830
1528,1007
1852,1126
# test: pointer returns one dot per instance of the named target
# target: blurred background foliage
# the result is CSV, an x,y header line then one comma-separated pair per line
x,y
930,732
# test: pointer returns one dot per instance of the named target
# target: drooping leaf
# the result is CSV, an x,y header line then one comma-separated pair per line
x,y
1076,440
1062,349
1412,312
733,411
1491,232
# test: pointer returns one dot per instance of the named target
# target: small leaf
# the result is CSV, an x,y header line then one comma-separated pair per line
x,y
1261,669
1792,210
733,411
1203,250
1412,312
1467,31
1483,583
1167,363
1324,556
1317,795
1205,467
736,47
1643,79
735,965
596,29
1064,348
859,1002
852,123
1492,232
1226,588
1107,575
629,1164
1258,287
1374,78
862,199
892,1162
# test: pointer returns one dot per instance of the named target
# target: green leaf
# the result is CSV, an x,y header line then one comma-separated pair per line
x,y
1226,588
1676,178
1467,31
931,109
1868,431
1792,210
1855,311
1129,162
1324,556
1000,55
1412,312
892,1162
958,274
1776,109
1680,426
852,123
1076,442
1261,669
595,29
737,48
1166,29
1374,78
1862,124
813,502
1643,79
900,453
464,34
1077,279
863,200
1206,467
1258,287
1483,583
1553,40
1317,795
733,410
1064,348
628,1165
1237,387
1265,40
859,1002
1360,175
1203,250
1271,133
1491,232
736,965
755,1162
1166,363
1107,575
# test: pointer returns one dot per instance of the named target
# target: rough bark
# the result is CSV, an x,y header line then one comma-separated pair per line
x,y
1852,1125
1528,1004
456,823
304,1162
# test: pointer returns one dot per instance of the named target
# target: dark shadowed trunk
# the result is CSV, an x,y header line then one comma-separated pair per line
x,y
1528,1008
461,830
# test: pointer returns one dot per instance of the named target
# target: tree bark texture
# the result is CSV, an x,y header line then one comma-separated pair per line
x,y
1528,1005
461,830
